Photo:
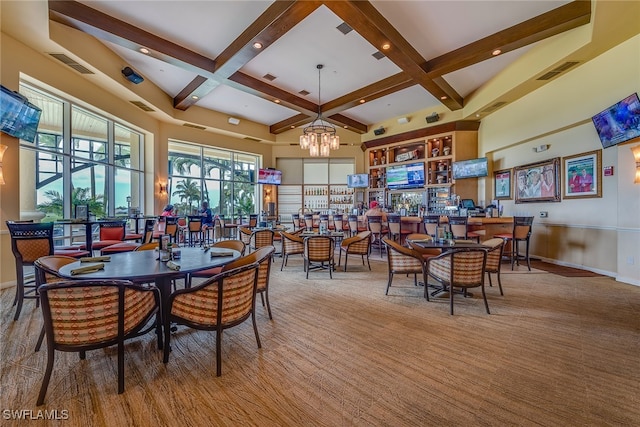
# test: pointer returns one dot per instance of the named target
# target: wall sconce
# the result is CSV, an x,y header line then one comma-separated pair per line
x,y
636,154
267,195
163,189
3,148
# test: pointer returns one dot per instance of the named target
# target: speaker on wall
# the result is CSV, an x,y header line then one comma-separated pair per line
x,y
132,76
434,117
378,131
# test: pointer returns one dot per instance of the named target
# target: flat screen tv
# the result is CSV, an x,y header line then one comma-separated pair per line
x,y
269,176
18,117
473,168
358,180
405,176
619,123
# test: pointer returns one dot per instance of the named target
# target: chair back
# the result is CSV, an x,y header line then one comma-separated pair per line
x,y
236,245
149,225
47,268
194,224
262,238
318,248
431,223
308,221
462,267
245,235
171,227
291,244
394,224
522,227
353,224
262,257
494,254
402,259
30,241
223,300
112,230
218,228
458,226
358,244
295,218
375,224
253,220
338,225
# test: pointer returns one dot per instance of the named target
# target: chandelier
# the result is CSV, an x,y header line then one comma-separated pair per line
x,y
319,136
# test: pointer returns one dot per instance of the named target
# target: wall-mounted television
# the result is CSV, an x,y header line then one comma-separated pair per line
x,y
269,176
358,180
405,176
619,123
473,168
18,117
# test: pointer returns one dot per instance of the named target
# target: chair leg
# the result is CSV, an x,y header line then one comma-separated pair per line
x,y
121,366
167,338
40,339
484,296
19,294
346,258
389,283
219,351
255,329
451,298
527,256
266,297
47,376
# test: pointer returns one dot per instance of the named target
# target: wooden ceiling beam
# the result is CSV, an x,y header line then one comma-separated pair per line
x,y
372,26
556,21
288,124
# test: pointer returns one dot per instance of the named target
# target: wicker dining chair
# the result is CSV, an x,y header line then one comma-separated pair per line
x,y
82,315
459,268
403,260
360,244
291,245
494,259
221,302
318,254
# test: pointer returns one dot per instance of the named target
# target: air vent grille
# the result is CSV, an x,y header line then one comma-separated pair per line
x,y
344,28
558,70
304,92
71,63
142,106
269,77
189,125
494,107
378,55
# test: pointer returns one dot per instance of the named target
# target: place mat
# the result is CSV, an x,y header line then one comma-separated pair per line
x,y
105,258
88,269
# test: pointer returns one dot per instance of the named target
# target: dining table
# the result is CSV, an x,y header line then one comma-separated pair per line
x,y
145,267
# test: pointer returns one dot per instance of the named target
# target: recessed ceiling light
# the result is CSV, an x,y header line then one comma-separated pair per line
x,y
346,127
386,46
443,97
257,45
496,52
477,114
362,101
195,97
144,50
277,101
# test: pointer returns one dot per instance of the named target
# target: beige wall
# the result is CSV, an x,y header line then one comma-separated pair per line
x,y
601,234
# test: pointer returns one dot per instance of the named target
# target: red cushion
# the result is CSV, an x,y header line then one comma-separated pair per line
x,y
120,247
104,243
71,253
111,233
132,236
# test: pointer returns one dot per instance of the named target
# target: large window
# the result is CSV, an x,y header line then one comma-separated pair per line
x,y
96,162
224,179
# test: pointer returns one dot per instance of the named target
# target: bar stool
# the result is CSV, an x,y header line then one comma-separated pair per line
x,y
375,226
521,233
431,223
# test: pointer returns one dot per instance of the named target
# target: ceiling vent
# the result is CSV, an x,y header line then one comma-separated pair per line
x,y
558,70
493,107
304,92
269,77
344,28
378,55
71,63
189,125
248,138
142,106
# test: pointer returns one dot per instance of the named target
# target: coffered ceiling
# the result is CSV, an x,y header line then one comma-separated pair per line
x,y
382,59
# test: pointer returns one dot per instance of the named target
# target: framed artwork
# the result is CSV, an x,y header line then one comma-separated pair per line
x,y
582,175
502,184
538,182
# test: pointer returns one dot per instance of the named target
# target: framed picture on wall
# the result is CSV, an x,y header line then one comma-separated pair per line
x,y
502,184
537,182
582,175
